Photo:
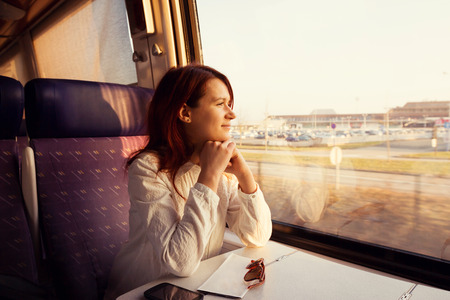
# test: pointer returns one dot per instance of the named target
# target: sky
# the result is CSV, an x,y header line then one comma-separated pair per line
x,y
354,56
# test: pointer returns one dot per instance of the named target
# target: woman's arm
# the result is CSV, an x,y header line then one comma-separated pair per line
x,y
248,213
249,216
178,239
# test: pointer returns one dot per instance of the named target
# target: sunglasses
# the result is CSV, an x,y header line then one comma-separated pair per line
x,y
256,274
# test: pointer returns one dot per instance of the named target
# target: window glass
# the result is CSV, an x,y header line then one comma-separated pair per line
x,y
89,43
343,112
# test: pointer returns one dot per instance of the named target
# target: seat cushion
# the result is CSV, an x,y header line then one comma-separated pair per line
x,y
16,247
84,205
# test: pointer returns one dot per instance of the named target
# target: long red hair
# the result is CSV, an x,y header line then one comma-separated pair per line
x,y
167,139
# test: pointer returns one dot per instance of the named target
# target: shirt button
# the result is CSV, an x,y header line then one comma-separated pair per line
x,y
253,196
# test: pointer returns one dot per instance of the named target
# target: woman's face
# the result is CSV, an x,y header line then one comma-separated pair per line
x,y
211,119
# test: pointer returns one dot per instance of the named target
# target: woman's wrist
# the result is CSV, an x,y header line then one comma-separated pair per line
x,y
249,193
210,180
247,183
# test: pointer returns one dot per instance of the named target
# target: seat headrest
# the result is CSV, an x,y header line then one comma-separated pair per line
x,y
59,108
11,107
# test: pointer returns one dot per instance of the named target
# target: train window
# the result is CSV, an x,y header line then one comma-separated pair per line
x,y
85,44
344,113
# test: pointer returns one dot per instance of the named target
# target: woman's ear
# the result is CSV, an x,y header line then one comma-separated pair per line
x,y
185,114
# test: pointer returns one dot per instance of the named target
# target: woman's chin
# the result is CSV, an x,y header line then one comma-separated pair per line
x,y
222,137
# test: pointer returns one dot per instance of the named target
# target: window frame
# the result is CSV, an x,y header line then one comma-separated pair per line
x,y
188,40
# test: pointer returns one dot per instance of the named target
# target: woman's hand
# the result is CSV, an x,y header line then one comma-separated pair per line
x,y
219,157
238,166
214,159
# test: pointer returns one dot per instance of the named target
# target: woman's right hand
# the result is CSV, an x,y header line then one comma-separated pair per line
x,y
214,159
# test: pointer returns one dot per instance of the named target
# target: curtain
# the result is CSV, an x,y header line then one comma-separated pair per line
x,y
91,42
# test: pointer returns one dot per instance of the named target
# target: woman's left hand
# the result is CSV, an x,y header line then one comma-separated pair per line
x,y
238,166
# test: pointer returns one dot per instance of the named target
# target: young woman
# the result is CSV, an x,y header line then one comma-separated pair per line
x,y
187,183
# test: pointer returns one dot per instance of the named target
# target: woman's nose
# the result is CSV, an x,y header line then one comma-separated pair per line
x,y
231,115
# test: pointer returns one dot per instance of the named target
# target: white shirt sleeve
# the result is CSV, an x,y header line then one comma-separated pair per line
x,y
249,217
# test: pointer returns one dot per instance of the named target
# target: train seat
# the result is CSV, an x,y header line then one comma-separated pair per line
x,y
17,259
80,136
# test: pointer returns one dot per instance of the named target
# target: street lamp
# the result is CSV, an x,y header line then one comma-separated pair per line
x,y
388,145
365,116
425,121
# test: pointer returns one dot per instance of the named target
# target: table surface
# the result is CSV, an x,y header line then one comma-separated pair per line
x,y
304,275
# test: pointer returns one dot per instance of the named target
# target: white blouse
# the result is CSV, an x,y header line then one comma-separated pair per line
x,y
171,235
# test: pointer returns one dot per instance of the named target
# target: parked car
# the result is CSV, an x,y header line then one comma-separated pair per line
x,y
302,137
235,135
291,138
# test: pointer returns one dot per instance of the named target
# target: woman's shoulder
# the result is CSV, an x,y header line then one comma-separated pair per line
x,y
145,160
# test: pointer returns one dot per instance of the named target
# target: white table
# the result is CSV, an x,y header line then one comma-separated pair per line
x,y
305,275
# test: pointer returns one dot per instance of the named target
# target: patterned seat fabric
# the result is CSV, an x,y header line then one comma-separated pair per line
x,y
17,255
82,133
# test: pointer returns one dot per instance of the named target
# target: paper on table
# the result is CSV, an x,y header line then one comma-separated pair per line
x,y
228,279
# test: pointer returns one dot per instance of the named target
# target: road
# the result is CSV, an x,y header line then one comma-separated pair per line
x,y
422,184
381,151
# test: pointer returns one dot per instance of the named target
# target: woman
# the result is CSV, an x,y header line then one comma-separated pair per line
x,y
181,197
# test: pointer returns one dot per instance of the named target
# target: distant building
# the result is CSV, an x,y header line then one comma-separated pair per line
x,y
422,114
422,110
325,118
412,114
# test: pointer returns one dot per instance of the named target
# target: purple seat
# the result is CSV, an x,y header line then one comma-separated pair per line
x,y
81,134
17,257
